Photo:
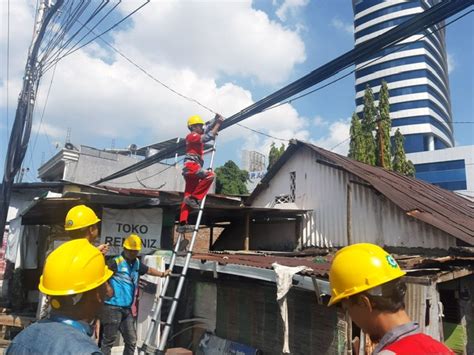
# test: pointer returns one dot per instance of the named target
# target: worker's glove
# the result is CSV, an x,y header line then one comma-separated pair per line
x,y
219,118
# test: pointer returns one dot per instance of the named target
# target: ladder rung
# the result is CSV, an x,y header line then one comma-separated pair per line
x,y
168,298
182,253
176,275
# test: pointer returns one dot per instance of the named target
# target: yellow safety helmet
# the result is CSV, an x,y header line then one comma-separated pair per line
x,y
80,217
360,267
196,119
74,267
133,242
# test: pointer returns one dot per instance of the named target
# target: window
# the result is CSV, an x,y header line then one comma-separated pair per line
x,y
293,186
450,175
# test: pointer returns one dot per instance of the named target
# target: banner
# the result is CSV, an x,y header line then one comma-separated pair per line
x,y
117,225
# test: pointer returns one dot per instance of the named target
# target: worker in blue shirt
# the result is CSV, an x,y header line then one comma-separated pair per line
x,y
117,313
74,278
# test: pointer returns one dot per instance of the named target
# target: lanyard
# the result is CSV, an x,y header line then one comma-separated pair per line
x,y
79,325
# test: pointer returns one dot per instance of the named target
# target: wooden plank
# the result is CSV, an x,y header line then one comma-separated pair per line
x,y
15,320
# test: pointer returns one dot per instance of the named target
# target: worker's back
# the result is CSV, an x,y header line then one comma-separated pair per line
x,y
52,337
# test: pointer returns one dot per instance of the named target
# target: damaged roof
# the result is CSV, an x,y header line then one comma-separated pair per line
x,y
431,204
318,264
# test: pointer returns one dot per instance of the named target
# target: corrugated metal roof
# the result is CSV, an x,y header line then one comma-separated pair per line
x,y
319,265
433,205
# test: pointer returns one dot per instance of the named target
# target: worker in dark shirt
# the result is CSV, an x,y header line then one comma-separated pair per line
x,y
74,278
368,282
117,312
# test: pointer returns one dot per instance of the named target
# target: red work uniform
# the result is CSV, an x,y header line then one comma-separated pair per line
x,y
198,180
417,344
406,339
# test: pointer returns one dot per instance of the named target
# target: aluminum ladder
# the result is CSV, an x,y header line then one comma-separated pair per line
x,y
147,348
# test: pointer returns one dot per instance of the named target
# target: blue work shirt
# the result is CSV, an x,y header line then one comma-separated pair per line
x,y
124,280
54,336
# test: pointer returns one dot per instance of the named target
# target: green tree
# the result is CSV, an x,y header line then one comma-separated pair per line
x,y
231,180
400,163
382,136
368,127
275,154
356,145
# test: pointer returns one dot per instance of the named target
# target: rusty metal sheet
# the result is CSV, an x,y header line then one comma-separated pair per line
x,y
319,264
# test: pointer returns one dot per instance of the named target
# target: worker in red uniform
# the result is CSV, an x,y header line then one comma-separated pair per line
x,y
368,282
198,180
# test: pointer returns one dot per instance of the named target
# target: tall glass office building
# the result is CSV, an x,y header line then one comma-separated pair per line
x,y
416,71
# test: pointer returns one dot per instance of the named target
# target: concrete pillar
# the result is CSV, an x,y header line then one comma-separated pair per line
x,y
431,144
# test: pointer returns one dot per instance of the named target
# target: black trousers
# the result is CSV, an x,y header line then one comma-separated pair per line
x,y
114,319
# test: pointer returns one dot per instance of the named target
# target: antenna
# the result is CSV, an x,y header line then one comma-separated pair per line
x,y
68,135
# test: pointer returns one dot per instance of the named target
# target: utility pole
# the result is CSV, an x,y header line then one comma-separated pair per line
x,y
21,129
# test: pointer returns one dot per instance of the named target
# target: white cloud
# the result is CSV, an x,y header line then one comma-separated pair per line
x,y
214,39
319,121
49,130
451,63
343,26
337,139
290,7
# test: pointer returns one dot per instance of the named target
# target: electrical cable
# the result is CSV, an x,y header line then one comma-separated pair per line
x,y
71,51
378,58
282,103
42,116
148,177
413,25
369,63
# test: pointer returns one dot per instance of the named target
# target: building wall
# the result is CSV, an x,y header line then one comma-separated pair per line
x,y
416,72
422,305
94,164
451,168
276,236
247,312
323,189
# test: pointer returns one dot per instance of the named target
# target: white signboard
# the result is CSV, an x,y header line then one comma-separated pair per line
x,y
117,225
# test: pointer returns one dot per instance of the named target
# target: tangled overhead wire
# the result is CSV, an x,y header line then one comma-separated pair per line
x,y
72,27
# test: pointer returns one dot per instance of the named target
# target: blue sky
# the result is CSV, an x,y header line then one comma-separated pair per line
x,y
225,54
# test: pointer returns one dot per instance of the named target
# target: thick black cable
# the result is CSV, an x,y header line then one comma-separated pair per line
x,y
368,63
414,25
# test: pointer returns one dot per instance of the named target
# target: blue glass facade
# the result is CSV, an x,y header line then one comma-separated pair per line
x,y
450,175
415,71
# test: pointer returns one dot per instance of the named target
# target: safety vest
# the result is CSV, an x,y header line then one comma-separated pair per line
x,y
418,344
124,282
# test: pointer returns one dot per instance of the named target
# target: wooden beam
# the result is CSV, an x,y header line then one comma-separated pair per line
x,y
16,321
